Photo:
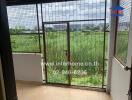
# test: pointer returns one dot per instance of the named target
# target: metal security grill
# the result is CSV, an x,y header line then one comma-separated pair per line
x,y
74,10
75,32
72,36
23,25
123,31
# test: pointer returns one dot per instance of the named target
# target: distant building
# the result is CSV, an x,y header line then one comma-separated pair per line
x,y
87,26
60,27
75,27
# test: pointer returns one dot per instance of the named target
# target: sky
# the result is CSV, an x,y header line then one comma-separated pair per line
x,y
25,15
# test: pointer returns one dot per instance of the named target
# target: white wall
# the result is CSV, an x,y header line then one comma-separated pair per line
x,y
119,82
27,67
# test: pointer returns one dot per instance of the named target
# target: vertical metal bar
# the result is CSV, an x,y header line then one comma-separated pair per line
x,y
116,29
38,27
44,51
68,58
104,44
6,55
42,13
44,44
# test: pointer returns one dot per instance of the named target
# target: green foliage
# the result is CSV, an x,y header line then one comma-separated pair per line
x,y
17,29
25,43
85,46
122,46
49,29
92,28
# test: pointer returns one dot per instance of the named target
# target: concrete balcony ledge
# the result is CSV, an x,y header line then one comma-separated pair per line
x,y
27,66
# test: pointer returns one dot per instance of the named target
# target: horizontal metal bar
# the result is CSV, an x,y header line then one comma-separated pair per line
x,y
73,85
24,52
25,34
59,22
64,84
25,2
77,87
53,31
56,22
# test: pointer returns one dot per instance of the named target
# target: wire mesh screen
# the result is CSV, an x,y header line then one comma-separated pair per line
x,y
56,52
22,17
74,10
86,41
122,32
87,21
73,32
23,28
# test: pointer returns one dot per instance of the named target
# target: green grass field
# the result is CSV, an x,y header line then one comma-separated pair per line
x,y
122,46
84,47
25,43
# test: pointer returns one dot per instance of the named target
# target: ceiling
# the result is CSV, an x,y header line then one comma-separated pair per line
x,y
23,2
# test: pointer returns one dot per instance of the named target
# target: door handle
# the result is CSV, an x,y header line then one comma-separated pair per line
x,y
126,68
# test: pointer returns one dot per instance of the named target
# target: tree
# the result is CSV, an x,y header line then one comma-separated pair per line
x,y
17,29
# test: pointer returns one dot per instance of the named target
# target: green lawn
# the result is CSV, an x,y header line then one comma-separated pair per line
x,y
85,47
25,43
